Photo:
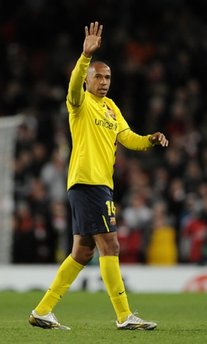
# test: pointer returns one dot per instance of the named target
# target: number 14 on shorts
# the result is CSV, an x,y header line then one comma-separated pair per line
x,y
111,208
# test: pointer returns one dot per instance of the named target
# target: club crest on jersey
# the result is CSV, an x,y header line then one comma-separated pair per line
x,y
109,113
112,220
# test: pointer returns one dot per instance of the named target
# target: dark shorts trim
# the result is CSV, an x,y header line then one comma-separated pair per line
x,y
92,208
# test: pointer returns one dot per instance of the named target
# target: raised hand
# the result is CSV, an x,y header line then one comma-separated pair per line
x,y
92,38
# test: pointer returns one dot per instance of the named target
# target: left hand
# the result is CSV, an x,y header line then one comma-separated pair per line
x,y
159,139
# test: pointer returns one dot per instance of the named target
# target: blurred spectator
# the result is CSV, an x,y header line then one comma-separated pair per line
x,y
162,246
59,223
53,175
176,198
137,214
131,245
24,245
193,240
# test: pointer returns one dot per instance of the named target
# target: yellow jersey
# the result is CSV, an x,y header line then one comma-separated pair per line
x,y
96,125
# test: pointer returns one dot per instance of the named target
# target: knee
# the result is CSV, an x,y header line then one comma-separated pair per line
x,y
88,256
116,248
83,256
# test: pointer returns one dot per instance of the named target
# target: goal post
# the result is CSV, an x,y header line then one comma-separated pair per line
x,y
8,131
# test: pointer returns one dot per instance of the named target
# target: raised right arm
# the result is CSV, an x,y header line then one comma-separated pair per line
x,y
76,92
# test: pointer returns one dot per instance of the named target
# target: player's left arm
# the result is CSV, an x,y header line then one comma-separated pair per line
x,y
133,141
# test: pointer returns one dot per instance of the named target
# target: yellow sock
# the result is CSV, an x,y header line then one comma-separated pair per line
x,y
65,276
111,275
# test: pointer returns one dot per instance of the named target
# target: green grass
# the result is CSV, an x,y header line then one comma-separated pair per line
x,y
181,318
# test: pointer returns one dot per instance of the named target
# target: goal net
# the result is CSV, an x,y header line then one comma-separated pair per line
x,y
8,126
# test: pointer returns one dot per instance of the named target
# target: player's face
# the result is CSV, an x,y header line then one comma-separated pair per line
x,y
98,79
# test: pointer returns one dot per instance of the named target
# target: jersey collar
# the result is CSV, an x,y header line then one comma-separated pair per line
x,y
99,100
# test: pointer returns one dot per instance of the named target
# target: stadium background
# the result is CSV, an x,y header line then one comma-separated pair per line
x,y
158,54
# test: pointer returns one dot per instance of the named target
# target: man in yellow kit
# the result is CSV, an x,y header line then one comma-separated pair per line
x,y
96,125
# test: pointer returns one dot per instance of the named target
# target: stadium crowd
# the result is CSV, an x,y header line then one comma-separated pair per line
x,y
158,54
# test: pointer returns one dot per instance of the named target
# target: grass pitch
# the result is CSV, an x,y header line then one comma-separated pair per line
x,y
181,318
